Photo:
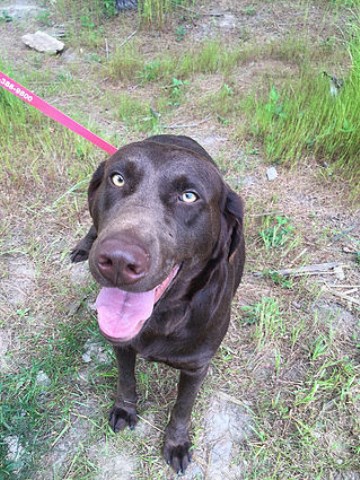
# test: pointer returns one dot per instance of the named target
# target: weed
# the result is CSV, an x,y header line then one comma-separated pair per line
x,y
5,17
126,62
267,318
279,279
209,57
157,69
180,33
86,22
31,409
44,18
176,90
250,10
305,118
222,103
277,231
137,114
332,379
153,11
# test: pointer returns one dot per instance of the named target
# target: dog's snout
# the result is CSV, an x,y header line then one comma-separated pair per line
x,y
121,262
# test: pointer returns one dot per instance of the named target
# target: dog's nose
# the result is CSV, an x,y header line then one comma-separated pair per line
x,y
121,262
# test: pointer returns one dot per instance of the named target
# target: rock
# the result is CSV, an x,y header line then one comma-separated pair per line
x,y
95,351
271,173
193,472
227,21
4,346
42,379
86,358
15,449
42,42
20,10
339,273
226,425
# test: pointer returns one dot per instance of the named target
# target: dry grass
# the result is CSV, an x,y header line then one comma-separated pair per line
x,y
290,357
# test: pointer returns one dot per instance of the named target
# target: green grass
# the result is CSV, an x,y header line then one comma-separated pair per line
x,y
303,119
276,232
294,370
36,413
209,57
268,320
137,114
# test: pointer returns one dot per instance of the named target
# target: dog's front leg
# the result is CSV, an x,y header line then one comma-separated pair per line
x,y
82,249
177,440
123,413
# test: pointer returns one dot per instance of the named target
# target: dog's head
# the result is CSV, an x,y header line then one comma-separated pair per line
x,y
160,208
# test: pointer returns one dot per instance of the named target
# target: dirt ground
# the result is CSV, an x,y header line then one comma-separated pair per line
x,y
253,419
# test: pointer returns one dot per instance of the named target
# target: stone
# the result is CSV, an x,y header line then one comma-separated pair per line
x,y
42,42
15,449
42,379
271,173
4,347
227,425
21,10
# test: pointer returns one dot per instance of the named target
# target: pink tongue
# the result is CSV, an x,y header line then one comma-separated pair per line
x,y
121,314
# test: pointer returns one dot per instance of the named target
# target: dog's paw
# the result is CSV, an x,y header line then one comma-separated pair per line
x,y
177,455
119,418
77,255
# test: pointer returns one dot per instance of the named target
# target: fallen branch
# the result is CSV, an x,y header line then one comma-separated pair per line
x,y
128,38
344,296
315,269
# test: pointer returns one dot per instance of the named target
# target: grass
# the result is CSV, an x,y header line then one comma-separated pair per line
x,y
211,56
292,366
36,413
267,317
304,118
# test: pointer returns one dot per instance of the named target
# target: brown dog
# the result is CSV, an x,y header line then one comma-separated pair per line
x,y
167,247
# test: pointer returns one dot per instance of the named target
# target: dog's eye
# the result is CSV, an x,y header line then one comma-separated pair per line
x,y
117,180
188,197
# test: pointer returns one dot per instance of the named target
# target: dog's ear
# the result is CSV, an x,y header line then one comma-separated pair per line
x,y
234,214
95,183
82,249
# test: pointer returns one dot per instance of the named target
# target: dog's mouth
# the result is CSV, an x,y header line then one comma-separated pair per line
x,y
121,314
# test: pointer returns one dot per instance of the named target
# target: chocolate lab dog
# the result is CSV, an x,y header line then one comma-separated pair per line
x,y
167,247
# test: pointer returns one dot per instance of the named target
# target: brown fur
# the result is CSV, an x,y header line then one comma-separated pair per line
x,y
205,238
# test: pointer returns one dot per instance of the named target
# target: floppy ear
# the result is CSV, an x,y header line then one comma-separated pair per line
x,y
234,213
95,183
82,249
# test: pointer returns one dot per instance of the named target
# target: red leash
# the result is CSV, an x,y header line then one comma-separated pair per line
x,y
24,94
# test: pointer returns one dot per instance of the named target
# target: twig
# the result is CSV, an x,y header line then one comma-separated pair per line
x,y
298,256
343,296
151,425
315,269
106,49
265,214
128,38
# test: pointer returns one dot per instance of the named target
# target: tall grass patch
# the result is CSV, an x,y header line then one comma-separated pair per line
x,y
315,115
137,114
209,56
